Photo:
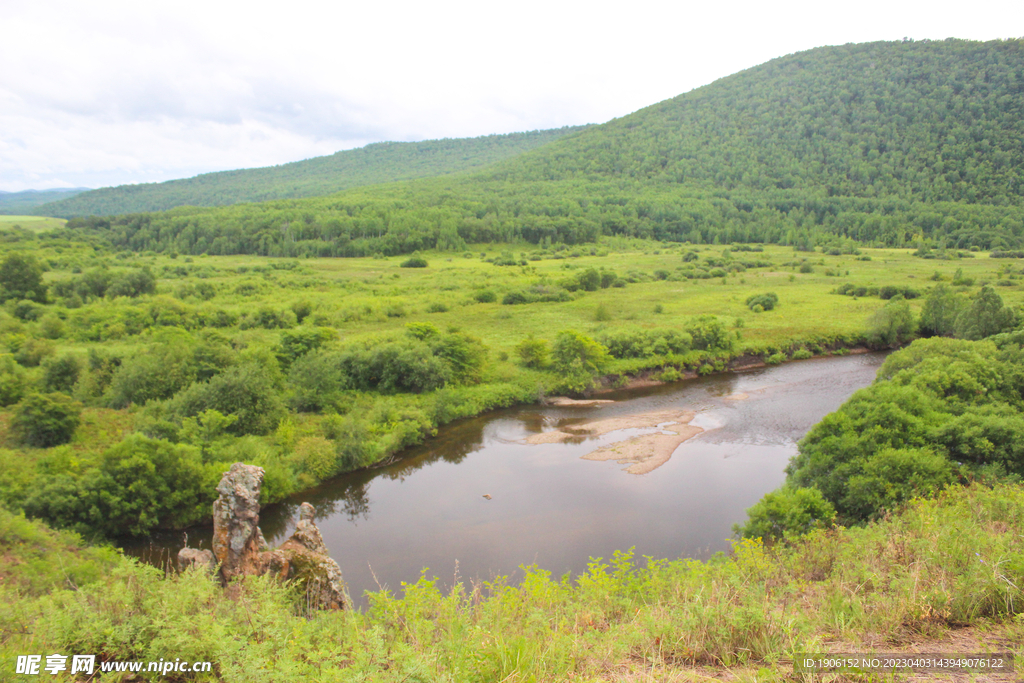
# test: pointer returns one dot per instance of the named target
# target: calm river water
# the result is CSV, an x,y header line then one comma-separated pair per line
x,y
551,508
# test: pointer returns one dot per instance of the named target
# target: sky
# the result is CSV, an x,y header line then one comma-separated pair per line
x,y
106,93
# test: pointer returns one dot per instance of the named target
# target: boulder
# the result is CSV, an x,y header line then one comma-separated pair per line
x,y
193,557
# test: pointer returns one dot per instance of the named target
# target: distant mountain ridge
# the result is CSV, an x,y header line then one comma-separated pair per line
x,y
892,143
25,201
380,162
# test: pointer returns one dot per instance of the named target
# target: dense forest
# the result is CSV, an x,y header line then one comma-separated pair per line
x,y
381,162
887,143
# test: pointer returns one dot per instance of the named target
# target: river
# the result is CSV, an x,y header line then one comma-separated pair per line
x,y
547,506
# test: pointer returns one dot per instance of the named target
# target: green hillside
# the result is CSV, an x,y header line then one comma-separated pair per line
x,y
17,203
382,162
887,143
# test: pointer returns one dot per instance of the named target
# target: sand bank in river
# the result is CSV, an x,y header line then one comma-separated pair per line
x,y
646,452
585,403
600,427
642,453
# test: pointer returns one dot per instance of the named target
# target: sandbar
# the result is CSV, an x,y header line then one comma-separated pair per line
x,y
646,452
600,427
586,402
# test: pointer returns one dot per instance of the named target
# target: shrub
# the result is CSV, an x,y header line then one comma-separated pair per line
x,y
775,358
299,342
60,374
893,476
708,332
12,381
245,391
414,262
533,352
133,284
318,379
140,484
577,359
940,311
786,513
801,354
892,324
984,317
766,301
437,307
45,420
21,277
485,296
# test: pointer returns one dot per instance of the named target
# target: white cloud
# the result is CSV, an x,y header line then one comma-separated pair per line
x,y
110,92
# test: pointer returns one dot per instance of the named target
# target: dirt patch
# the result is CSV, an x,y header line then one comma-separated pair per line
x,y
601,427
738,396
747,362
584,403
646,452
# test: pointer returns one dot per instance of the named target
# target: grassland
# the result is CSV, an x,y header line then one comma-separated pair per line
x,y
243,306
32,223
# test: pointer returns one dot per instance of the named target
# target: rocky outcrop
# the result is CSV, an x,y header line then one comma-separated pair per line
x,y
239,547
237,539
304,558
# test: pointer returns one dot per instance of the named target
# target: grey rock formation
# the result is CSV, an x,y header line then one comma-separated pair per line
x,y
240,549
237,539
193,557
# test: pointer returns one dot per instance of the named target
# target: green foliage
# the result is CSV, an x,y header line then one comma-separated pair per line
x,y
766,301
893,324
708,333
165,368
534,353
635,342
893,476
940,312
21,277
246,392
138,485
133,284
414,262
297,343
938,405
45,420
577,359
985,316
39,560
12,381
787,512
60,374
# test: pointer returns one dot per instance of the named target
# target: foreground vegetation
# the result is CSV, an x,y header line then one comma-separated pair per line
x,y
944,574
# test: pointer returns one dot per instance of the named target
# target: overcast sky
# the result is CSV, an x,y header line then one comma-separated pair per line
x,y
102,93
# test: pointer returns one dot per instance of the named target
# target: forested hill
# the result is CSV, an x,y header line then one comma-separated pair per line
x,y
930,121
893,143
381,162
24,202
